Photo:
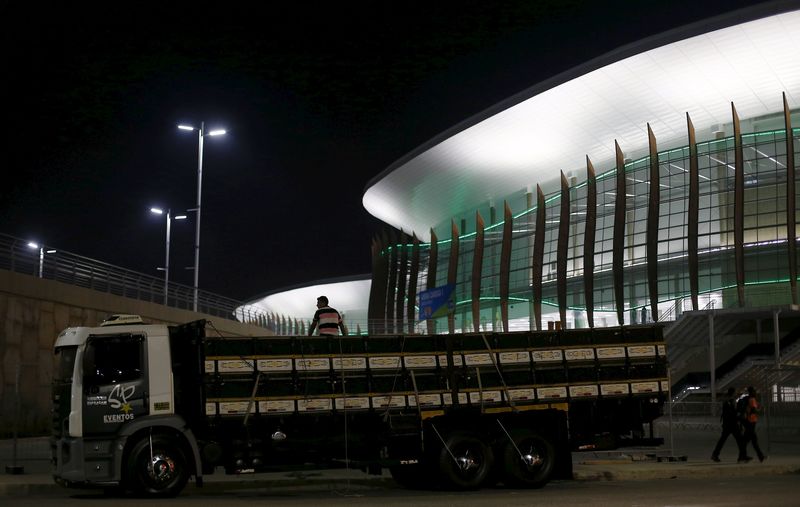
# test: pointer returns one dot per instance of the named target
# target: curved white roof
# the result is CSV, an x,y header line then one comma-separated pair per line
x,y
553,126
350,296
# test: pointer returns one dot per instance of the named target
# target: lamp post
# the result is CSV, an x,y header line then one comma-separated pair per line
x,y
42,251
159,211
200,134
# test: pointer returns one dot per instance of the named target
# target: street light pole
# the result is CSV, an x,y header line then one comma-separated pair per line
x,y
200,134
159,211
166,261
197,224
41,256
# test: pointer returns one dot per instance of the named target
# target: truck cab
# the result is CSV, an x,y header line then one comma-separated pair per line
x,y
113,396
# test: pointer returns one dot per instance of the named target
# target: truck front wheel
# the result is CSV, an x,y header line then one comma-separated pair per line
x,y
157,466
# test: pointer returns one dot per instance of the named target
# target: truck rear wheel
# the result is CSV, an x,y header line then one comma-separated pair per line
x,y
157,466
529,461
465,461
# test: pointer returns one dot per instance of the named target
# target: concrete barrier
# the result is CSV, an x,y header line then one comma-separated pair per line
x,y
32,313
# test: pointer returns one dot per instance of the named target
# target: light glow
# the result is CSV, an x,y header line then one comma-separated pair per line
x,y
33,245
157,211
185,127
220,132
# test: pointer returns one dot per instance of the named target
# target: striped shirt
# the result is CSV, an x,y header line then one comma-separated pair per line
x,y
328,321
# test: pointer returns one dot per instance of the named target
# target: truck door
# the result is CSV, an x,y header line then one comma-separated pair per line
x,y
114,382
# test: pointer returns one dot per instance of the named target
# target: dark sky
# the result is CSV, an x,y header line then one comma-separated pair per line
x,y
318,98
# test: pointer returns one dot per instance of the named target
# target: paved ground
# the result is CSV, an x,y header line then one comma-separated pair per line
x,y
686,454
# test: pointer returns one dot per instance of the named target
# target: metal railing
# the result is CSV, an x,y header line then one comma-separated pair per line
x,y
16,255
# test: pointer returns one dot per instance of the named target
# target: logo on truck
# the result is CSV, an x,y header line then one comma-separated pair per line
x,y
118,399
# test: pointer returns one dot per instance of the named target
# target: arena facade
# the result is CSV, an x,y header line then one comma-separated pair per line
x,y
656,179
541,211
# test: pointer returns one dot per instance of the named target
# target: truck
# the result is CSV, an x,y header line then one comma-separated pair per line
x,y
144,408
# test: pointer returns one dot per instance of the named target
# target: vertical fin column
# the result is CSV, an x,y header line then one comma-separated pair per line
x,y
653,206
538,257
619,236
433,262
791,233
392,285
505,263
588,241
738,205
561,252
412,284
694,217
401,280
452,275
477,268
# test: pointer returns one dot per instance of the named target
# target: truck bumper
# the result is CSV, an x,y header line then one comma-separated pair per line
x,y
87,463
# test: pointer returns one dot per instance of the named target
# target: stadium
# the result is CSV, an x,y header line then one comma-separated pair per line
x,y
654,183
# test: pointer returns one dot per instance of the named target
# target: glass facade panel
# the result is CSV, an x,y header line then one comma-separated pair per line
x,y
765,240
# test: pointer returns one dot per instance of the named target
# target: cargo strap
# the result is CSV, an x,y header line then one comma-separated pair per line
x,y
252,400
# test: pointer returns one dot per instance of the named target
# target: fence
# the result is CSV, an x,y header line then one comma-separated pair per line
x,y
781,418
20,256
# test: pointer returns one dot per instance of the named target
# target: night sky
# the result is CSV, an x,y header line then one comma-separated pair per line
x,y
317,98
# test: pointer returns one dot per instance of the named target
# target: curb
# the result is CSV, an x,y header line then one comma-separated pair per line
x,y
217,486
622,473
583,473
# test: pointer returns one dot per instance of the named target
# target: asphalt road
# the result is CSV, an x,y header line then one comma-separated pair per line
x,y
768,491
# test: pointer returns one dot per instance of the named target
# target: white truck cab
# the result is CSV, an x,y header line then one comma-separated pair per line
x,y
107,378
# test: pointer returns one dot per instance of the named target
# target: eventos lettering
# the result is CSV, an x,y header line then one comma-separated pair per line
x,y
116,418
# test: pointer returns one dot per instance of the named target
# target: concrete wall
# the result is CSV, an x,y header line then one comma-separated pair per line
x,y
32,313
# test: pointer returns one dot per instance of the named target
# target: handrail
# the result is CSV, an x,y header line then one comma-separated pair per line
x,y
73,269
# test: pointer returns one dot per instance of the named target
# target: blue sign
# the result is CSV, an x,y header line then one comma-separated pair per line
x,y
436,302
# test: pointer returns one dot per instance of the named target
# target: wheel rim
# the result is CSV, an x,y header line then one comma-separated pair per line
x,y
161,469
468,460
532,457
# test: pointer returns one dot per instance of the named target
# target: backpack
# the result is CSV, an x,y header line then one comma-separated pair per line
x,y
741,407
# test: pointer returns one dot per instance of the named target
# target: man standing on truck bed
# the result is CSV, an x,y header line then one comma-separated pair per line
x,y
328,320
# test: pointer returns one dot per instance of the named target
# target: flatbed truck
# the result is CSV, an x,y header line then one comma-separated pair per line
x,y
146,407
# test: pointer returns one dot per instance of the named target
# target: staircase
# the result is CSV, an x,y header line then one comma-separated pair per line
x,y
753,363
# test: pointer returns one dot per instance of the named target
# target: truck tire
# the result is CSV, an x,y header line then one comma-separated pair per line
x,y
534,468
473,461
160,471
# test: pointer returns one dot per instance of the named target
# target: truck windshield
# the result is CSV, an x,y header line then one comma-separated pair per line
x,y
112,359
65,359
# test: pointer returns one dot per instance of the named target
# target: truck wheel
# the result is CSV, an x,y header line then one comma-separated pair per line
x,y
467,463
158,471
531,469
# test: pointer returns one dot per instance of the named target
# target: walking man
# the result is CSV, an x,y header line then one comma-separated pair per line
x,y
751,409
327,319
730,425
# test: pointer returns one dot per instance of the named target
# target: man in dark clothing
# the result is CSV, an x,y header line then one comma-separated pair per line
x,y
730,425
749,420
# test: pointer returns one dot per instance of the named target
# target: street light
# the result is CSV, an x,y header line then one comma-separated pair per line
x,y
42,251
200,134
159,211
